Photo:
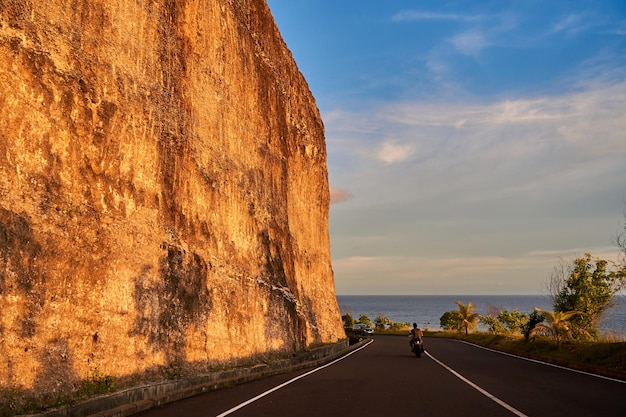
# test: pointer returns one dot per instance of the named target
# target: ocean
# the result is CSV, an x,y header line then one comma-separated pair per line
x,y
426,310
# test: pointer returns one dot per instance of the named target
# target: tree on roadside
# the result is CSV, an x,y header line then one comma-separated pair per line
x,y
468,318
587,286
492,324
450,320
557,325
363,319
348,320
533,320
499,321
381,322
398,326
513,321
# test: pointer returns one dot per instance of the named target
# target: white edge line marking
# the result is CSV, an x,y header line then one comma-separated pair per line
x,y
545,363
479,389
276,388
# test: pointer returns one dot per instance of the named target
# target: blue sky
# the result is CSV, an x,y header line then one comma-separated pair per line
x,y
471,144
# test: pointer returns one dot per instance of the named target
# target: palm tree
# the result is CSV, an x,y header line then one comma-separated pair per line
x,y
468,318
557,324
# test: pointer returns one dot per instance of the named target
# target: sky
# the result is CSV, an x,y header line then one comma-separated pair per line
x,y
472,145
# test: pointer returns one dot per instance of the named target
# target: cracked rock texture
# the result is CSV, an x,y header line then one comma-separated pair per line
x,y
163,193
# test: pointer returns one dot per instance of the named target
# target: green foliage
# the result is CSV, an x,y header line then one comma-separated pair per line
x,y
397,326
513,321
9,404
385,325
382,322
364,320
97,384
588,286
451,320
492,324
533,320
510,322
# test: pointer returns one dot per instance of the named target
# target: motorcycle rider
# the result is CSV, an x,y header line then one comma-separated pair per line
x,y
416,335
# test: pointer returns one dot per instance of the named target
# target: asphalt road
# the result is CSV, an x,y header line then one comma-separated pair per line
x,y
385,379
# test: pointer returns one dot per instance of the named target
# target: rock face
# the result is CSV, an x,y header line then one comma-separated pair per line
x,y
163,192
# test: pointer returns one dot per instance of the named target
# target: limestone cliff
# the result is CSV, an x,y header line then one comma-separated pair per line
x,y
163,192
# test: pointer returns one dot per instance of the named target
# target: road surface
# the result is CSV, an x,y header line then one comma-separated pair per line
x,y
384,379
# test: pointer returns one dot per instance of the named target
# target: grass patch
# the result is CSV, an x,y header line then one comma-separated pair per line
x,y
603,357
97,384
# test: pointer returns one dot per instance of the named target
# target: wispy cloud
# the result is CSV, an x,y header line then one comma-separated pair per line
x,y
439,70
547,170
619,29
475,144
471,42
573,23
524,273
609,253
415,15
478,31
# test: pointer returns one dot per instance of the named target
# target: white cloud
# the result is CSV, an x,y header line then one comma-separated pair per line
x,y
525,144
391,152
497,193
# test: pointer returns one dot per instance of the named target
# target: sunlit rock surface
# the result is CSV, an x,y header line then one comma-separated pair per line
x,y
163,192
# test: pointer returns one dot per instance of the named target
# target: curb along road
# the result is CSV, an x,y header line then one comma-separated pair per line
x,y
137,399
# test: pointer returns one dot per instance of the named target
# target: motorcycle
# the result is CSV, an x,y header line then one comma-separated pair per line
x,y
417,347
